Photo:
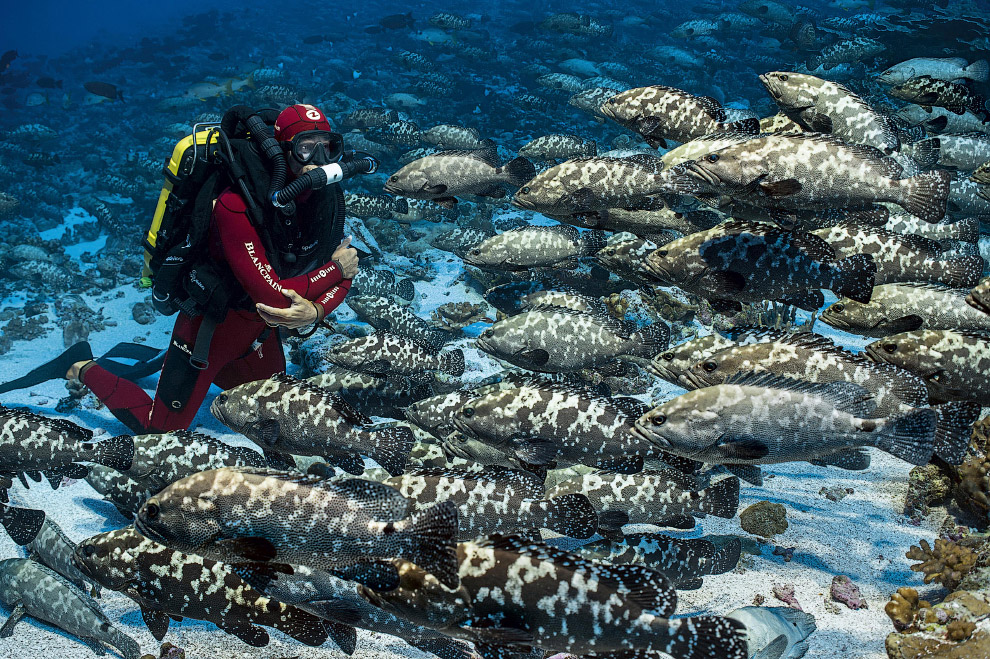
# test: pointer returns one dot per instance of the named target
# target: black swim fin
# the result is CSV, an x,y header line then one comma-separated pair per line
x,y
53,370
148,360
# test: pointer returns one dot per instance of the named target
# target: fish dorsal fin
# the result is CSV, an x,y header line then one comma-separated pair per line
x,y
60,425
647,161
620,328
630,407
816,247
384,503
914,241
344,409
644,586
844,396
973,334
487,156
531,487
936,288
712,108
428,347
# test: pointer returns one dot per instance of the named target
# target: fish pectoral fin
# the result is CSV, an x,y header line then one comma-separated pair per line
x,y
908,323
775,650
352,463
857,459
743,447
266,431
749,473
681,522
156,620
538,357
376,575
612,520
98,648
175,617
251,548
726,282
253,635
582,199
807,300
336,609
15,617
782,188
497,635
278,460
534,450
437,189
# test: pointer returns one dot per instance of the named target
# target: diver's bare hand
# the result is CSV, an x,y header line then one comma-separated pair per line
x,y
300,313
346,256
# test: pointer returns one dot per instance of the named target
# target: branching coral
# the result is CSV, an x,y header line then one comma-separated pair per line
x,y
902,608
946,564
974,482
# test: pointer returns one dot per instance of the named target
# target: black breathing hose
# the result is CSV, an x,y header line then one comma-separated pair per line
x,y
352,164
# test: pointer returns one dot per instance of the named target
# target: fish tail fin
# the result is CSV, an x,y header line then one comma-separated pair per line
x,y
519,170
405,289
855,277
572,515
966,230
433,539
705,637
726,558
249,83
129,648
21,524
653,339
926,195
910,437
722,498
748,126
300,625
116,452
961,271
391,450
978,71
452,362
953,428
925,152
593,241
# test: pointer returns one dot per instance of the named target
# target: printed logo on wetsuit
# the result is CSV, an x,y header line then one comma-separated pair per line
x,y
263,268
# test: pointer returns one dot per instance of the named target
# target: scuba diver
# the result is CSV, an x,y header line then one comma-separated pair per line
x,y
278,266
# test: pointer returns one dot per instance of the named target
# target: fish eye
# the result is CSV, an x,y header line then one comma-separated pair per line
x,y
712,157
487,333
709,366
88,550
890,347
151,511
475,251
468,411
393,177
524,190
662,253
678,215
222,398
783,77
659,420
667,356
838,307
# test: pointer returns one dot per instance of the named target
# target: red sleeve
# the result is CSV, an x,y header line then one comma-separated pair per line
x,y
246,256
332,298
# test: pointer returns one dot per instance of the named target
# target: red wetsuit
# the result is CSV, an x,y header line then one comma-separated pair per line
x,y
233,359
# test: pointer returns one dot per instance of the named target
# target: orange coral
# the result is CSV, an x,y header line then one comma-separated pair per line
x,y
946,564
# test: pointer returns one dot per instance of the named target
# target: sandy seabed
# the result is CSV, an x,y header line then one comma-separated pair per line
x,y
863,536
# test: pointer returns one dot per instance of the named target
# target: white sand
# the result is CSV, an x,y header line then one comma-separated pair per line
x,y
863,536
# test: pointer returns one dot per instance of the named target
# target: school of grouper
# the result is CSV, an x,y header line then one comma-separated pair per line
x,y
828,194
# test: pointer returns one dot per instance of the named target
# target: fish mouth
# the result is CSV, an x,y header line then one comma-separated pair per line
x,y
393,189
691,381
875,354
462,425
656,440
484,346
522,203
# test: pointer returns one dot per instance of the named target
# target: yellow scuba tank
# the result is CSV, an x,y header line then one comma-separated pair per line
x,y
188,152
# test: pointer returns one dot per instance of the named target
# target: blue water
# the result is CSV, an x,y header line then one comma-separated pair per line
x,y
159,67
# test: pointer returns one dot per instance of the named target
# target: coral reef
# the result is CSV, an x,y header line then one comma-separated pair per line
x,y
764,519
947,563
903,608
